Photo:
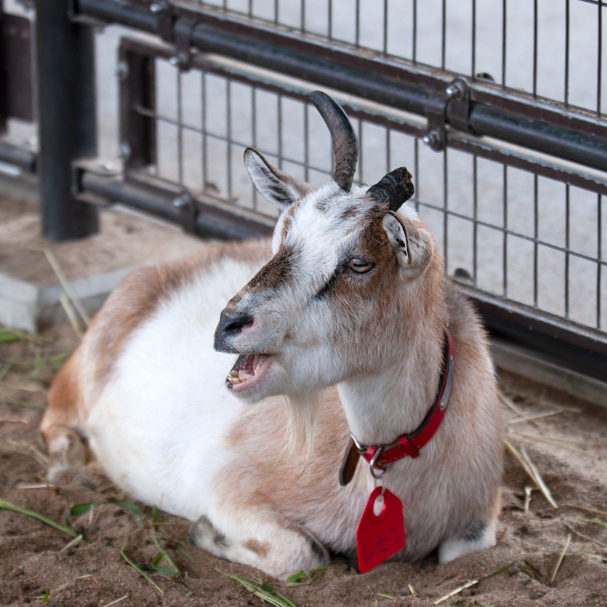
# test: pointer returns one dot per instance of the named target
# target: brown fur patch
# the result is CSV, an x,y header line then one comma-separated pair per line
x,y
351,211
393,312
346,284
261,549
64,397
275,273
286,225
288,221
293,485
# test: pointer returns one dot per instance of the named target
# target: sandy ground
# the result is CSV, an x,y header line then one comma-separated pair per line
x,y
34,561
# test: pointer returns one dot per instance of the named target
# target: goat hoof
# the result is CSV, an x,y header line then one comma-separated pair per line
x,y
204,535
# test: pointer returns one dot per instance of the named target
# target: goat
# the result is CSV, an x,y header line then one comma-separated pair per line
x,y
348,320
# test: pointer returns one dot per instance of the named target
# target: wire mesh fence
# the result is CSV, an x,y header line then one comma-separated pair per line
x,y
550,49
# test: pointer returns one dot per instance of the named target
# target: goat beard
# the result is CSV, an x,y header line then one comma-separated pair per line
x,y
303,411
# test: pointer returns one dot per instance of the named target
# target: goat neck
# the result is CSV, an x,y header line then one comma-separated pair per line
x,y
394,400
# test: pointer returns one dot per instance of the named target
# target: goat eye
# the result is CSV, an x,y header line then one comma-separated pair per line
x,y
360,265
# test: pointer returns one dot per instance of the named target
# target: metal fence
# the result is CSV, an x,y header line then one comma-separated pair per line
x,y
551,49
497,107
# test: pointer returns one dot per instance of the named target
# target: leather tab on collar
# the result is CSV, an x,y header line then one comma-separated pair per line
x,y
349,463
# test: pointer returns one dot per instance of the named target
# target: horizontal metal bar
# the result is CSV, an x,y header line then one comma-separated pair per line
x,y
556,140
290,61
149,195
13,154
528,160
589,179
116,11
426,76
115,190
372,80
564,342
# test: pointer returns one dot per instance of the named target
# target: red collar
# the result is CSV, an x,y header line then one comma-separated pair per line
x,y
381,456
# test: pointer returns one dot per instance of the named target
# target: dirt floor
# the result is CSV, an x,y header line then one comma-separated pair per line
x,y
126,240
564,439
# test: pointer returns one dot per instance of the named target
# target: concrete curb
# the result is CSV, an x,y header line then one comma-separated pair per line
x,y
26,306
520,361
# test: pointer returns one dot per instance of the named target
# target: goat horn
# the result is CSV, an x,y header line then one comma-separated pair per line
x,y
394,189
345,144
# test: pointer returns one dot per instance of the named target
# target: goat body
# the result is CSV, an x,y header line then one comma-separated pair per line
x,y
349,293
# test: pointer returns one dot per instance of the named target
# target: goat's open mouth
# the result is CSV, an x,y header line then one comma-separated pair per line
x,y
247,371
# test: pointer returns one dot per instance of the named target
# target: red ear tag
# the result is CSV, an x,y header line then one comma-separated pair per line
x,y
379,537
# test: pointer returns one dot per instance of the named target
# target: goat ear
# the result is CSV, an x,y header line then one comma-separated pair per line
x,y
397,235
274,185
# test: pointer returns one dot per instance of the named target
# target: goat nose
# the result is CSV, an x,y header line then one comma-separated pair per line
x,y
230,325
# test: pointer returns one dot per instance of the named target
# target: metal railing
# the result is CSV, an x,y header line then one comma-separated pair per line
x,y
511,181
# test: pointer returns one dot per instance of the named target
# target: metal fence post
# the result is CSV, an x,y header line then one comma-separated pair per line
x,y
67,117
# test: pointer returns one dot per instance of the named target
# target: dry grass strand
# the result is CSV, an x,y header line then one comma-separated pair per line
x,y
586,537
561,557
592,510
529,467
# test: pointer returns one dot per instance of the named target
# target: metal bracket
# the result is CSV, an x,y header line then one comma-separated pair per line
x,y
164,15
182,38
436,137
97,166
458,109
176,31
188,210
452,105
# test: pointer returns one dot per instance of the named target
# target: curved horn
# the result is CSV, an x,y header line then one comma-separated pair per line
x,y
394,189
345,144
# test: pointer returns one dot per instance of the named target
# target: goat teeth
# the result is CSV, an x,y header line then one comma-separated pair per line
x,y
245,376
233,374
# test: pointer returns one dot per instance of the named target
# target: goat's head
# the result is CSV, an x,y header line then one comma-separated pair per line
x,y
349,272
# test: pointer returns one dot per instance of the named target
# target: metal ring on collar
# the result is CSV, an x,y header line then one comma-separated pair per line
x,y
372,465
358,444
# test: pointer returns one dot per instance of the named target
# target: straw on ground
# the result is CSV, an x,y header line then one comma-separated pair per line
x,y
560,559
529,467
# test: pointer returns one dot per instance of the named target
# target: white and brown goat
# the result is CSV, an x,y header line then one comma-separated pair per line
x,y
347,319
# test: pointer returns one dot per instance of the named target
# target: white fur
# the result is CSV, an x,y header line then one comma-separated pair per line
x,y
169,392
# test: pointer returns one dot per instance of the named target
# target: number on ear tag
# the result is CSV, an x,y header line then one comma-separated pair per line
x,y
380,536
